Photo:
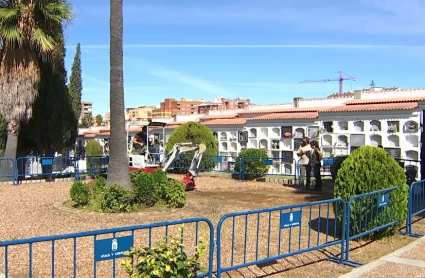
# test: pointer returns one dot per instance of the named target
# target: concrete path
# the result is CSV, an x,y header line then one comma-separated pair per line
x,y
408,261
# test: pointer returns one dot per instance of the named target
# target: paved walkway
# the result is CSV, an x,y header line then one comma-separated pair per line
x,y
408,261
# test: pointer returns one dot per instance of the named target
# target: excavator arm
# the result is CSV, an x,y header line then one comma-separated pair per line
x,y
180,148
193,170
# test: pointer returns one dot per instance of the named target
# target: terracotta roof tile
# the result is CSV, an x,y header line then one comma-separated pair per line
x,y
285,110
208,117
373,107
286,116
235,121
90,135
384,100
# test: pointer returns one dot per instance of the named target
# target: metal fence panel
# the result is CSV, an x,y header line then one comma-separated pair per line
x,y
7,168
416,204
269,234
368,213
279,166
95,165
95,253
44,167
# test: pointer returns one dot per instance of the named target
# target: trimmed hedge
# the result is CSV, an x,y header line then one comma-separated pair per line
x,y
195,133
370,169
253,163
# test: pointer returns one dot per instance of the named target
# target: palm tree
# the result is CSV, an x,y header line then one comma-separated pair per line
x,y
118,171
26,35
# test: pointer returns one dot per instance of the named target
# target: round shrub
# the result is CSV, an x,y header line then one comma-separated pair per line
x,y
196,133
149,187
99,186
117,199
80,193
93,148
370,169
175,194
253,163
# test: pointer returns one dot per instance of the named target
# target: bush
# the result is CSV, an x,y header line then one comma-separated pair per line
x,y
195,133
166,259
99,186
370,169
175,194
93,148
134,174
148,188
253,163
156,189
117,199
80,193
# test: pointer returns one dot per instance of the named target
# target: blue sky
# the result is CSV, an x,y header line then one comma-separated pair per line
x,y
248,48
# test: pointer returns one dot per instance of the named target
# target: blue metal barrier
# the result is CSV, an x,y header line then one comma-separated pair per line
x,y
279,232
368,213
102,247
42,167
95,165
7,168
219,163
416,205
280,166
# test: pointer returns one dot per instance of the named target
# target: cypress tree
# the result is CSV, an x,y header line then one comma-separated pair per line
x,y
75,83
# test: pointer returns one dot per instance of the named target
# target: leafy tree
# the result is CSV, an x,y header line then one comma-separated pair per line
x,y
75,83
99,120
26,34
86,121
118,171
53,126
370,169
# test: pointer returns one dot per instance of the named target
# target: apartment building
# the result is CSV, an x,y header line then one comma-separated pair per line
x,y
141,113
86,109
171,107
221,103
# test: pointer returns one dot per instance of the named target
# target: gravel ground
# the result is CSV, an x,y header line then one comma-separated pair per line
x,y
33,210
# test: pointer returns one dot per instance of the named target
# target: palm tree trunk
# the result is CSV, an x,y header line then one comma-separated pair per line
x,y
11,147
118,170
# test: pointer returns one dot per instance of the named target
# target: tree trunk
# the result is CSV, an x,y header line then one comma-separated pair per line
x,y
118,170
11,147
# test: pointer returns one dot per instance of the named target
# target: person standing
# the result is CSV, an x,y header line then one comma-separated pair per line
x,y
317,165
305,152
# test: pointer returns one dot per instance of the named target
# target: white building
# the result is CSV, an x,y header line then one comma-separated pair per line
x,y
389,118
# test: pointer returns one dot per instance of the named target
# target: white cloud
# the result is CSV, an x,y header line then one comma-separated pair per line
x,y
348,17
357,17
193,81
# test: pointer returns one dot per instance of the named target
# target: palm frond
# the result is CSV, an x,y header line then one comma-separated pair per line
x,y
10,33
9,13
42,40
56,12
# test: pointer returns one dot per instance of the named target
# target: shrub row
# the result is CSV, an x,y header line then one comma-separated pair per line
x,y
149,189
